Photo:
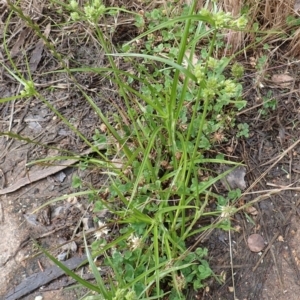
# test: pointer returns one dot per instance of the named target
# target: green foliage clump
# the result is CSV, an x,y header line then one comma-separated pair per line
x,y
181,100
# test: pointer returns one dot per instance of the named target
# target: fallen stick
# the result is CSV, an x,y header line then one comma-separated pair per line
x,y
37,280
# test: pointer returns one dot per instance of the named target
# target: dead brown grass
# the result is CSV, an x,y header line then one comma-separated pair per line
x,y
271,17
294,48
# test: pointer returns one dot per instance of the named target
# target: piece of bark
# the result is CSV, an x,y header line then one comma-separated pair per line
x,y
33,176
37,280
64,282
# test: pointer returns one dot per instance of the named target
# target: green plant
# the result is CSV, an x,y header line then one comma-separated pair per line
x,y
243,130
173,119
76,182
269,104
181,101
99,138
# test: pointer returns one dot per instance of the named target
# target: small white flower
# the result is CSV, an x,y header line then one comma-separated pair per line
x,y
102,232
227,211
134,242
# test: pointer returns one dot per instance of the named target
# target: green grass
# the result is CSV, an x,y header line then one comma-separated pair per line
x,y
159,162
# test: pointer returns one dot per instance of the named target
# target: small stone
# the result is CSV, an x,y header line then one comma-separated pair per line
x,y
256,242
62,256
234,179
38,297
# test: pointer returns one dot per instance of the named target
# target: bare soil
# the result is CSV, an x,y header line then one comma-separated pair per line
x,y
272,274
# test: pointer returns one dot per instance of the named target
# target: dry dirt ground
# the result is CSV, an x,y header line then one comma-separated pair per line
x,y
272,274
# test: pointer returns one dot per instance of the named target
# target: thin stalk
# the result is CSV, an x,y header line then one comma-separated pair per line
x,y
156,257
203,116
173,97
